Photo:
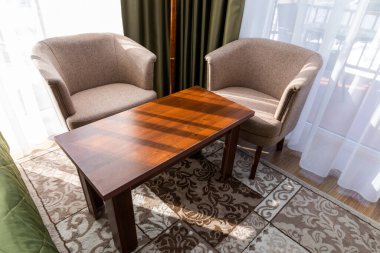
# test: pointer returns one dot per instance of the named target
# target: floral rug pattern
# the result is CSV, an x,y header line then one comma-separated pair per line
x,y
188,208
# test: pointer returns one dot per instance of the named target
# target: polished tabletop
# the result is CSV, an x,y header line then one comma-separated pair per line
x,y
125,149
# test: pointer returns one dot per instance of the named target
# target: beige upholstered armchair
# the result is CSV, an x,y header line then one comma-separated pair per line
x,y
92,76
270,77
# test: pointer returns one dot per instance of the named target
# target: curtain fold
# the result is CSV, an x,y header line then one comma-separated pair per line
x,y
203,26
338,132
147,22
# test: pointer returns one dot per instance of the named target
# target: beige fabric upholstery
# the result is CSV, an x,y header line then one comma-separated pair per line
x,y
263,123
48,66
270,77
103,101
74,64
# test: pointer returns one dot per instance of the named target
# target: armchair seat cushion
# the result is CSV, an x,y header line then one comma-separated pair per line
x,y
263,123
103,101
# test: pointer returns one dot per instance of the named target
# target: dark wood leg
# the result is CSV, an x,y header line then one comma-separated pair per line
x,y
94,201
197,155
122,221
230,145
280,144
255,162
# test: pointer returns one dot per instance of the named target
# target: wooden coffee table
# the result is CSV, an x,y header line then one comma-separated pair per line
x,y
118,153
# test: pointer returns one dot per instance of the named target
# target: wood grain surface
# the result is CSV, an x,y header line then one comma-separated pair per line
x,y
122,151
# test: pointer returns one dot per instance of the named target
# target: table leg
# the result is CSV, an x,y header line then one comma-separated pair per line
x,y
122,221
230,146
94,201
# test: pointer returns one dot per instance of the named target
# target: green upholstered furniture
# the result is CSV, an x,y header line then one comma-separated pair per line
x,y
21,226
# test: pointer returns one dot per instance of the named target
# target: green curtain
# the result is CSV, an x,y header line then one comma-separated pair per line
x,y
148,23
202,26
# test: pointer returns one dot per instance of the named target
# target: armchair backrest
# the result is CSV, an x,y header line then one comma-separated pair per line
x,y
275,64
82,61
266,65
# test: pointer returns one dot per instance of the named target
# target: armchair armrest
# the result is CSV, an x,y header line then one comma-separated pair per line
x,y
295,94
285,102
47,64
62,97
135,62
226,65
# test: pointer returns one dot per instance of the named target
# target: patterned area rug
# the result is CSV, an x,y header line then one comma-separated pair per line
x,y
189,209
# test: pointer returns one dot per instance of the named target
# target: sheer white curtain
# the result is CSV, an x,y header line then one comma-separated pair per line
x,y
27,116
339,129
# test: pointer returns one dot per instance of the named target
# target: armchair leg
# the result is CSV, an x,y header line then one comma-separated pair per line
x,y
255,162
280,144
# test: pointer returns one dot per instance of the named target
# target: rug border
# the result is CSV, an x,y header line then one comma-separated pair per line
x,y
50,226
325,195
